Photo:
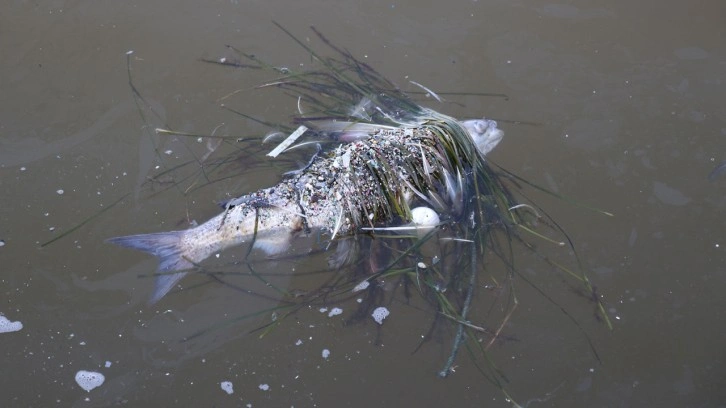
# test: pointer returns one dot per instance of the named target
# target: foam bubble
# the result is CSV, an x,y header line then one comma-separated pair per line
x,y
326,353
361,286
380,314
6,326
424,217
89,380
264,387
227,387
335,311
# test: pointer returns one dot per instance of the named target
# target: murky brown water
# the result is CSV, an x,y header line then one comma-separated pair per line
x,y
629,98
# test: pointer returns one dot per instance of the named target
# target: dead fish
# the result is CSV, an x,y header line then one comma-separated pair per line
x,y
357,184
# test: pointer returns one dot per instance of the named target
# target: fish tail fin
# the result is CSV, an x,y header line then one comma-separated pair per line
x,y
168,248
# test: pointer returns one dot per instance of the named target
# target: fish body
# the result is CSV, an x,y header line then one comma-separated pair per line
x,y
367,181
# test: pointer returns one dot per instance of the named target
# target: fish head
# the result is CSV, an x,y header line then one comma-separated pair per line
x,y
484,132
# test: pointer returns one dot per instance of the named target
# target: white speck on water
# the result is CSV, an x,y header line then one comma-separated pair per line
x,y
421,265
82,343
717,245
51,229
108,364
380,314
22,169
168,152
227,387
60,191
217,255
6,326
129,52
89,380
264,387
361,286
2,243
223,60
323,309
326,353
298,342
335,311
359,300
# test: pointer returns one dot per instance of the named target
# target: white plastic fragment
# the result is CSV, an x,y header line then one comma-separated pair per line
x,y
335,311
326,353
227,387
89,380
380,314
287,142
6,326
361,286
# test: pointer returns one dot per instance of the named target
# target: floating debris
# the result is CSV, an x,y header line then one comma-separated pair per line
x,y
326,353
227,387
424,217
89,380
361,286
60,191
335,311
6,326
380,314
264,387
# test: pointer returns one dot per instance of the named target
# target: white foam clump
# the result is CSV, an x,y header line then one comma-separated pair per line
x,y
335,311
264,387
6,326
380,314
326,353
361,286
89,380
227,387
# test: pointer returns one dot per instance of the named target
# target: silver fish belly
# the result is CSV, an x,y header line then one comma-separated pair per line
x,y
357,184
